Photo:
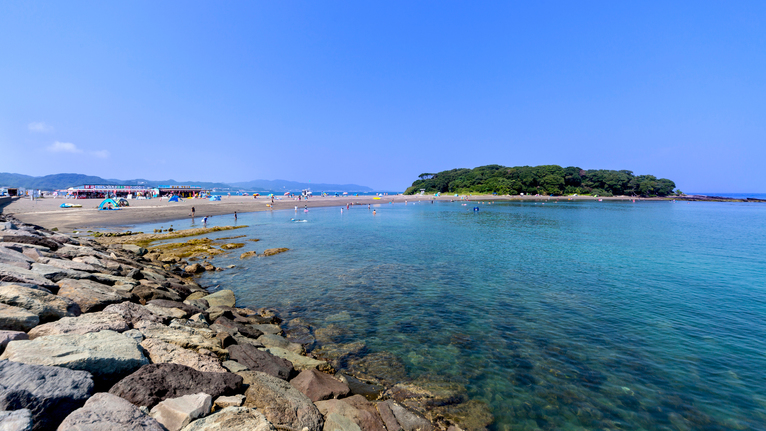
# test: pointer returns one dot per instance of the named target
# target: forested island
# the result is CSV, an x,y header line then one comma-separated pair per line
x,y
544,180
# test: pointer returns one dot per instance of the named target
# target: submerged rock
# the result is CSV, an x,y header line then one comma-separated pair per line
x,y
50,393
107,412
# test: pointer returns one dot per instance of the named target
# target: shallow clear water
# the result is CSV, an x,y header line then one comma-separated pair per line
x,y
563,315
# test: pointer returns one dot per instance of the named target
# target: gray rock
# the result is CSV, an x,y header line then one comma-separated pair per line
x,y
258,360
188,309
118,282
337,422
222,298
39,302
319,386
409,420
6,225
55,274
23,237
268,328
234,366
138,251
234,419
16,420
384,409
8,336
12,257
16,318
83,324
89,295
68,264
272,340
134,334
133,313
230,401
189,338
161,352
71,251
157,382
107,355
14,274
281,403
176,413
299,362
50,393
107,412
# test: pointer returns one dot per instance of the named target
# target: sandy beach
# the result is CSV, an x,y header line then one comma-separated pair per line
x,y
46,212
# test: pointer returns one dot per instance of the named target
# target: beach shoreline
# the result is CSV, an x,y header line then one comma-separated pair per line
x,y
46,212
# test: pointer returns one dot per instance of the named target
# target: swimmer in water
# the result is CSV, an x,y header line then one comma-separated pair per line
x,y
374,212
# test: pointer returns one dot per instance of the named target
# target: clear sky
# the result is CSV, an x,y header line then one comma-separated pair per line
x,y
375,93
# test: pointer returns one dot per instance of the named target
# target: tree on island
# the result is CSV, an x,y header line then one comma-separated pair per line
x,y
545,180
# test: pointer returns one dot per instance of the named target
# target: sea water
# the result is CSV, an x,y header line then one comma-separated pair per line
x,y
556,314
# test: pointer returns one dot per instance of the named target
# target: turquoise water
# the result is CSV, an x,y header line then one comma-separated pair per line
x,y
568,315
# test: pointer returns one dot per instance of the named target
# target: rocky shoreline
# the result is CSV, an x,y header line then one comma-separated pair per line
x,y
109,336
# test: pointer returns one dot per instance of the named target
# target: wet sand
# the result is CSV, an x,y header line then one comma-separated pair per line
x,y
46,212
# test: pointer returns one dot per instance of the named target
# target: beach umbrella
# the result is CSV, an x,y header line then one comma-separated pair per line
x,y
287,193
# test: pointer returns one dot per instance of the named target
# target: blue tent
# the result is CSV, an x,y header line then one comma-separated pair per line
x,y
109,204
215,198
173,199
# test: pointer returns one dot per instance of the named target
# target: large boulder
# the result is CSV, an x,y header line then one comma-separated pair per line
x,y
90,295
234,419
319,386
25,238
16,319
222,298
258,360
190,338
9,256
50,393
176,413
107,412
281,403
133,313
157,382
161,352
16,420
8,336
68,264
15,274
40,302
107,355
55,274
83,324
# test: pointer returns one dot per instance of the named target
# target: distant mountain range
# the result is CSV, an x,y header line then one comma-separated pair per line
x,y
63,181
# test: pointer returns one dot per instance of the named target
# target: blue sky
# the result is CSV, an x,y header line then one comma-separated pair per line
x,y
376,93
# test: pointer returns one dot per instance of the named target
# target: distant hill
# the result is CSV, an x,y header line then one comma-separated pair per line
x,y
294,186
63,181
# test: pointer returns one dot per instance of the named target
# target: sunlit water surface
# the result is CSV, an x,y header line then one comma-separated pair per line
x,y
565,315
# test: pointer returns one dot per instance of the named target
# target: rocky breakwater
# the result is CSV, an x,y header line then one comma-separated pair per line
x,y
96,337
